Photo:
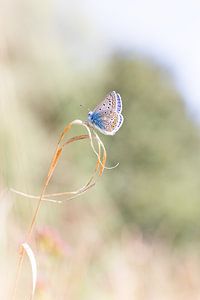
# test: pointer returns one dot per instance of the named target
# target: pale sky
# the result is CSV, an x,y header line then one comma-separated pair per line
x,y
167,30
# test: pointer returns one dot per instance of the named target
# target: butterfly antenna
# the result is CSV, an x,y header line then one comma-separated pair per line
x,y
81,105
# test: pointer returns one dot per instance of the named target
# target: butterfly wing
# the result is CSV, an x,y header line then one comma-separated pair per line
x,y
107,116
112,102
119,103
111,123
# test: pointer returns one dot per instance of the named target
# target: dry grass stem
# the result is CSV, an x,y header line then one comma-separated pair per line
x,y
100,165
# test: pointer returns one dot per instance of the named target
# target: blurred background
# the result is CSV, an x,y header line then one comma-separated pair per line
x,y
136,234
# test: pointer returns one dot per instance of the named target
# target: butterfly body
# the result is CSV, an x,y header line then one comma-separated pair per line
x,y
107,117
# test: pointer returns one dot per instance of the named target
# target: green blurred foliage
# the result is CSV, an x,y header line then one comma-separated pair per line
x,y
117,236
119,240
156,185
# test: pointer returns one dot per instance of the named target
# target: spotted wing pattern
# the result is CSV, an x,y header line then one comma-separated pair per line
x,y
112,123
108,114
119,103
108,105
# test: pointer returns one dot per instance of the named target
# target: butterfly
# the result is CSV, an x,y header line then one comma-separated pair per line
x,y
107,117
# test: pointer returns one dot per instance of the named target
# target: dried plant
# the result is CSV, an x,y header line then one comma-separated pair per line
x,y
100,153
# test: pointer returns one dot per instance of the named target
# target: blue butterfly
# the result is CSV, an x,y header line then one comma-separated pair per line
x,y
107,117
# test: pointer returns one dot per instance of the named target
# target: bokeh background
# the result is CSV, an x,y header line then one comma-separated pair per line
x,y
136,234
